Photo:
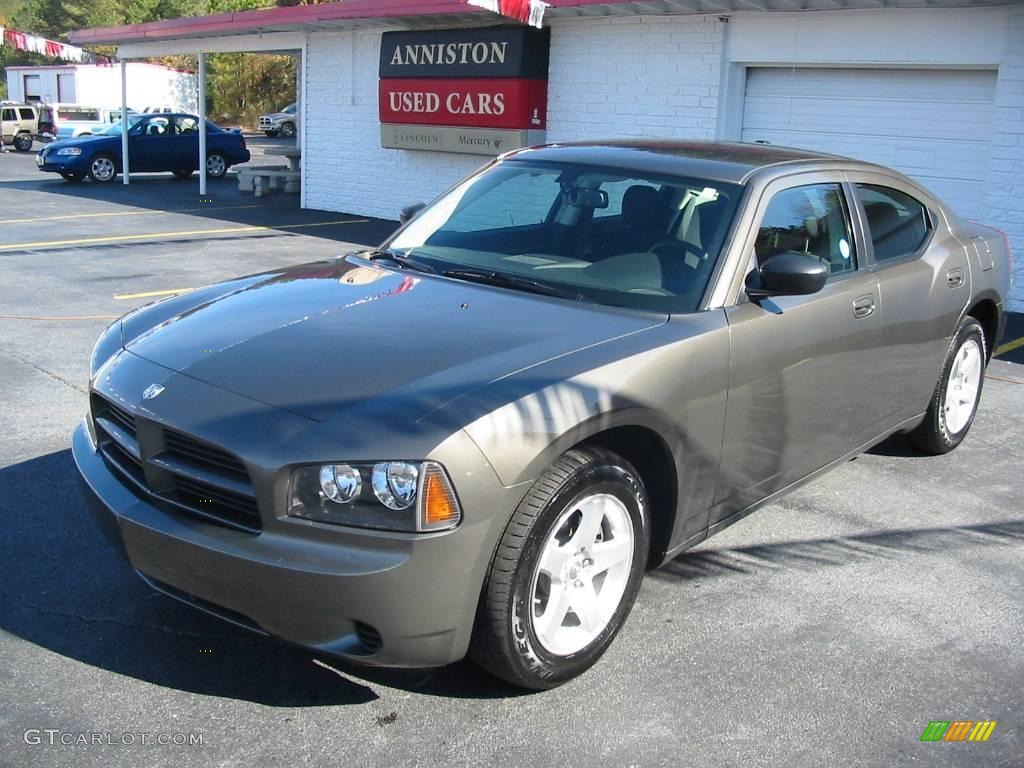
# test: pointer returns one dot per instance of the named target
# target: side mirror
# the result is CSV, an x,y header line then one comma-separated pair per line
x,y
787,274
409,212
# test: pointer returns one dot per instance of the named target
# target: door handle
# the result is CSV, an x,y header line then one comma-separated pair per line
x,y
955,278
863,306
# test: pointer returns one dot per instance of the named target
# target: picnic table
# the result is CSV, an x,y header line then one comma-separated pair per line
x,y
293,154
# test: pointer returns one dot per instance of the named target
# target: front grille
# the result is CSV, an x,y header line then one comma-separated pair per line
x,y
193,450
121,416
194,476
209,500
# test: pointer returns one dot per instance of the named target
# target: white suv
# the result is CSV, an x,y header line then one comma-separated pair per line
x,y
19,124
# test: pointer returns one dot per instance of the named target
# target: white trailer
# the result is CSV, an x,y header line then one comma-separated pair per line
x,y
99,85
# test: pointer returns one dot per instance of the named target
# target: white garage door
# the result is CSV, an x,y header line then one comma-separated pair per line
x,y
933,125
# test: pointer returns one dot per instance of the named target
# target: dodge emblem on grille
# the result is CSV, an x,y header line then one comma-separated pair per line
x,y
152,391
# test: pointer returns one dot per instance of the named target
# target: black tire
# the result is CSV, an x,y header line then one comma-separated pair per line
x,y
288,130
99,166
933,435
505,641
23,142
216,165
183,174
74,178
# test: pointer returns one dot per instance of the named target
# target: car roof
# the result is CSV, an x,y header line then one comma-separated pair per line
x,y
730,162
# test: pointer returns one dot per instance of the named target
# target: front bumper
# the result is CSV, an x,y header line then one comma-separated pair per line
x,y
54,163
393,606
375,597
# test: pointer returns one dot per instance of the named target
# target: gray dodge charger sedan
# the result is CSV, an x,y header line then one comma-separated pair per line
x,y
571,366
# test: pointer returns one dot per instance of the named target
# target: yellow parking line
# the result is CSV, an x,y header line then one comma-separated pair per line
x,y
126,213
148,294
183,233
1010,346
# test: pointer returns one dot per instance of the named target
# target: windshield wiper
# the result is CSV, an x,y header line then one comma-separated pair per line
x,y
399,258
507,280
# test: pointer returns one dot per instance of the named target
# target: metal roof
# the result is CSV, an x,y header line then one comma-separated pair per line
x,y
366,13
730,162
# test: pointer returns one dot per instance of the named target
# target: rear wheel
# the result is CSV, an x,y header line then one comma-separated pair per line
x,y
955,400
216,165
102,169
566,571
23,142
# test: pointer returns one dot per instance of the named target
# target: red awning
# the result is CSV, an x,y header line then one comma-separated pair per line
x,y
295,18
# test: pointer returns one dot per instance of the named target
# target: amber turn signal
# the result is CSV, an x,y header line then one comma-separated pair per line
x,y
439,509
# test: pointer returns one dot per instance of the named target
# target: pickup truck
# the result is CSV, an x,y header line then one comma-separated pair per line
x,y
73,120
282,123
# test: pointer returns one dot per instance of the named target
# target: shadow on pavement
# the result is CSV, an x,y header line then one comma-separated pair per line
x,y
162,192
840,550
64,588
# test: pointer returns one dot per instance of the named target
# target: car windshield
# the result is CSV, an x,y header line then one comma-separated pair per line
x,y
610,236
115,128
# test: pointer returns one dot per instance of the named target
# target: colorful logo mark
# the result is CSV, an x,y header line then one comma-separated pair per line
x,y
958,730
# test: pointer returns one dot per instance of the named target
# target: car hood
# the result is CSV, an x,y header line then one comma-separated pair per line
x,y
345,337
77,142
279,115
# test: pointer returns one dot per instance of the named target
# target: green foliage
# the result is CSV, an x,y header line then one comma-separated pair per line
x,y
239,86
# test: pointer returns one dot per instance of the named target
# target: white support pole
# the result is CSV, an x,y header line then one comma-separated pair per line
x,y
303,122
124,123
202,124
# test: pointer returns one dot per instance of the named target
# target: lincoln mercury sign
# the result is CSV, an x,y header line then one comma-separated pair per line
x,y
479,91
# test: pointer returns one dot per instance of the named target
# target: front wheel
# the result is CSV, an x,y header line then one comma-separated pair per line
x,y
955,400
566,571
23,142
102,169
216,165
288,130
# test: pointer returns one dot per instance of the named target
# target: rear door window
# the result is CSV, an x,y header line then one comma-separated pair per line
x,y
898,223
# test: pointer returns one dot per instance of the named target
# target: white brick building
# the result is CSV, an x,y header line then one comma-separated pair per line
x,y
937,92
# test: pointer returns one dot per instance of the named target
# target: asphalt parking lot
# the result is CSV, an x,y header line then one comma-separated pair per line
x,y
827,629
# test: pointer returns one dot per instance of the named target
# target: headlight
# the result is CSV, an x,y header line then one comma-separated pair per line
x,y
69,151
387,495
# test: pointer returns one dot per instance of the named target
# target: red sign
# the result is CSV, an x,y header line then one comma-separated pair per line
x,y
478,103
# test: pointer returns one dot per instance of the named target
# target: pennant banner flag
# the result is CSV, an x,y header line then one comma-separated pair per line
x,y
23,41
527,11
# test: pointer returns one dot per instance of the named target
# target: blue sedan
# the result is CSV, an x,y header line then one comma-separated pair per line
x,y
158,142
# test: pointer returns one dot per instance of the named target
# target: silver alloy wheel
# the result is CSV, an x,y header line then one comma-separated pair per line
x,y
962,386
103,169
215,166
582,574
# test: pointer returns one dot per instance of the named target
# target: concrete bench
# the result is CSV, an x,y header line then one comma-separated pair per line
x,y
247,175
264,181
